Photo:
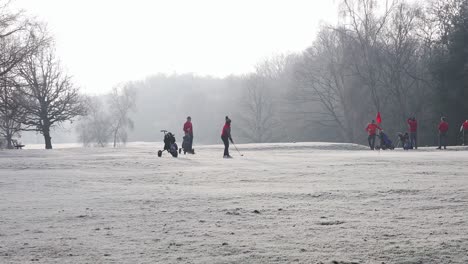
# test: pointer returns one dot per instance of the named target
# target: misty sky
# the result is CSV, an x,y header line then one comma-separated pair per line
x,y
105,42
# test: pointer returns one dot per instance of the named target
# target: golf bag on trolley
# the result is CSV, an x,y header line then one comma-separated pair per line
x,y
169,144
385,142
187,145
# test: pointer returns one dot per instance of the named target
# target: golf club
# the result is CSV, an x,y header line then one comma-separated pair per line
x,y
242,155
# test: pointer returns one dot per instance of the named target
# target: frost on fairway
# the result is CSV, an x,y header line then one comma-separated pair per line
x,y
280,203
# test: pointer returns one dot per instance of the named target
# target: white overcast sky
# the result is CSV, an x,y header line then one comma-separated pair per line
x,y
105,42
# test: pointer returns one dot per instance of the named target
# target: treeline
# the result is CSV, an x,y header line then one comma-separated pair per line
x,y
399,58
395,57
392,57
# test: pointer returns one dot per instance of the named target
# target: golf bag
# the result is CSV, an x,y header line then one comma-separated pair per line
x,y
169,144
405,141
385,142
187,145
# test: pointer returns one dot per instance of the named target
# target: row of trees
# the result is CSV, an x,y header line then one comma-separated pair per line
x,y
108,118
393,57
35,92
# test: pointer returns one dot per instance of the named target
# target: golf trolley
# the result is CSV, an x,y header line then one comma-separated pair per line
x,y
385,142
187,145
169,144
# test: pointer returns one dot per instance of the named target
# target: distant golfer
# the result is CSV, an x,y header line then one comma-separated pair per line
x,y
372,131
413,132
443,131
188,130
226,137
464,131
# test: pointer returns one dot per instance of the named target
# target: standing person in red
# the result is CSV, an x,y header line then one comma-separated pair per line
x,y
226,137
188,130
464,131
371,130
413,130
443,131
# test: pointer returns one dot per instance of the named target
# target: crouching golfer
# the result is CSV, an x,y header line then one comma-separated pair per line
x,y
226,137
371,130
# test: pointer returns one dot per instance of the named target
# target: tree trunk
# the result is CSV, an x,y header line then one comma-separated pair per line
x,y
47,138
115,138
9,139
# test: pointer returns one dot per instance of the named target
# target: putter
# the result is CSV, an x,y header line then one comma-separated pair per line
x,y
242,155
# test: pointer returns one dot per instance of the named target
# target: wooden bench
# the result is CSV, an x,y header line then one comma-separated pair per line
x,y
17,145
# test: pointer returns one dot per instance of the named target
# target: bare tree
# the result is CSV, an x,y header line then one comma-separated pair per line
x,y
12,113
364,23
18,37
403,66
95,127
323,77
258,109
263,103
121,104
17,41
50,97
443,15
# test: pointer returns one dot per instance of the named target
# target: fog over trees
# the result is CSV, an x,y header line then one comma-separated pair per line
x,y
396,57
108,118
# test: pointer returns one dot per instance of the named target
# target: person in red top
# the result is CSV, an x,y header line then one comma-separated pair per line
x,y
372,131
188,130
464,131
226,137
413,131
443,131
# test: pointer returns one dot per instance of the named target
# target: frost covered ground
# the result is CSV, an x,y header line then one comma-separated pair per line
x,y
280,203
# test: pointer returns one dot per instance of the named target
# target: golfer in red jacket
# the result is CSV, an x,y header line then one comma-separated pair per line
x,y
188,130
443,131
464,131
372,131
226,137
413,132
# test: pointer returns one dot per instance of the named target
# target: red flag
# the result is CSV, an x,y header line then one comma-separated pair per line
x,y
378,118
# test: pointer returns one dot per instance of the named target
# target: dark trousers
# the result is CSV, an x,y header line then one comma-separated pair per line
x,y
371,140
189,142
465,137
413,139
442,140
226,145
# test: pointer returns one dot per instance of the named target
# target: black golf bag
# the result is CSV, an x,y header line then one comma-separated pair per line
x,y
187,145
405,141
169,144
